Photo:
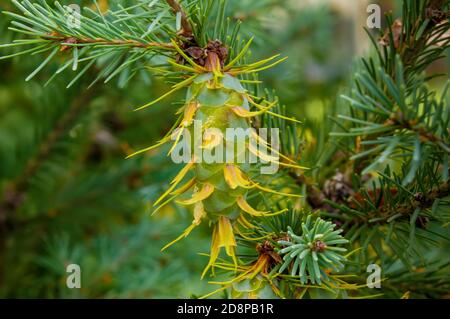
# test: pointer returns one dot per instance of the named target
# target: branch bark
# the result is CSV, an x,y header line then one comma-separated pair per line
x,y
185,24
66,42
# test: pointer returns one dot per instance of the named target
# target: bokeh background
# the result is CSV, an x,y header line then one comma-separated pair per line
x,y
67,194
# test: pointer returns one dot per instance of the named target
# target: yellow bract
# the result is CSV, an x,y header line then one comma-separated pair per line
x,y
223,236
198,196
234,177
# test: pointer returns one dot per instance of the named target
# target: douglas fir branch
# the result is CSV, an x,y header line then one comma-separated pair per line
x,y
367,188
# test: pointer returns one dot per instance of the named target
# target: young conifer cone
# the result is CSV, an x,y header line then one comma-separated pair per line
x,y
216,101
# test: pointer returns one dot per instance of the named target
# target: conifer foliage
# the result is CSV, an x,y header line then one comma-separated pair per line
x,y
370,186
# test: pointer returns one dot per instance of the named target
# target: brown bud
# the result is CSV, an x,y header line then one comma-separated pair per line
x,y
71,40
195,52
319,246
397,29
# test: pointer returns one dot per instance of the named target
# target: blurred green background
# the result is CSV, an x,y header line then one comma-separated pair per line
x,y
67,194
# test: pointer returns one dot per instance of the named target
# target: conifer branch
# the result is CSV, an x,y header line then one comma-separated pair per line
x,y
398,120
67,42
16,193
393,118
420,200
390,93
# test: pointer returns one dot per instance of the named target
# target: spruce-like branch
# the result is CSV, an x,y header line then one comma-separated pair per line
x,y
16,192
393,112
